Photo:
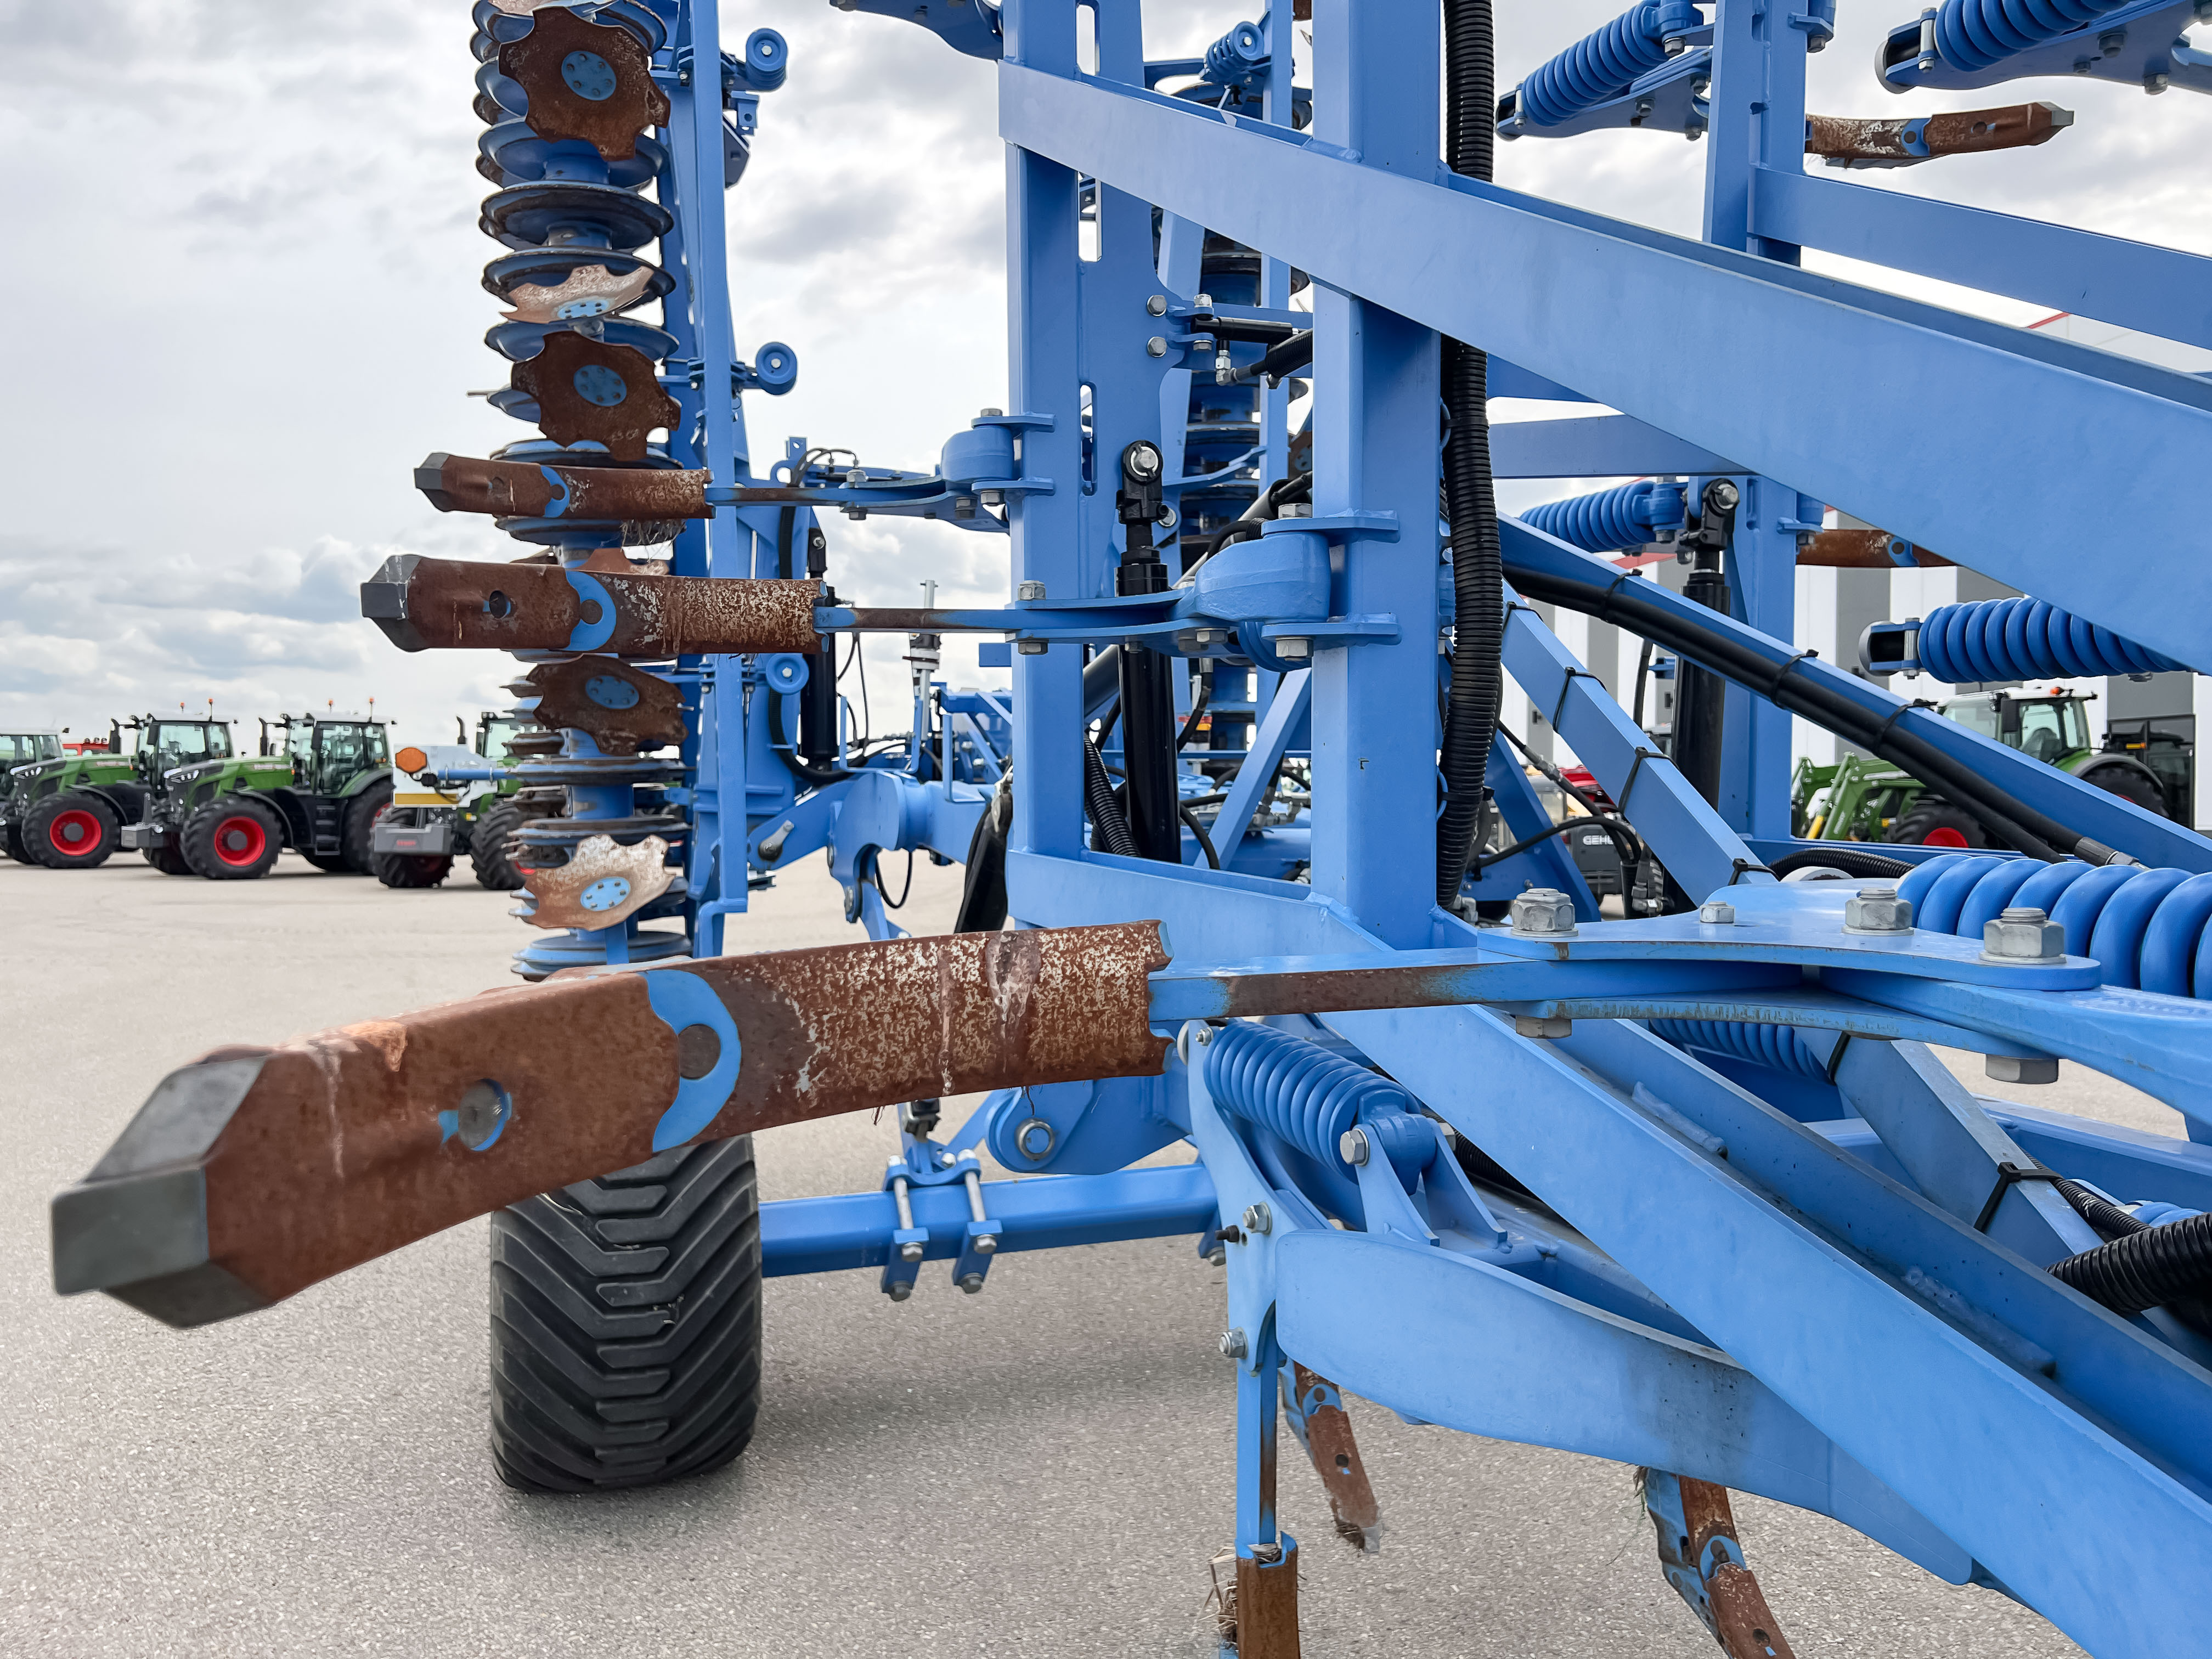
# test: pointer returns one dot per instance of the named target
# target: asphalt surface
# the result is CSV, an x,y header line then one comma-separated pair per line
x,y
1044,1469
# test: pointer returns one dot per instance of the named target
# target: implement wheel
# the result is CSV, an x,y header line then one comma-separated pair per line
x,y
626,1324
71,831
408,869
232,838
488,849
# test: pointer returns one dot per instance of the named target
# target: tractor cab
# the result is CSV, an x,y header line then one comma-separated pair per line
x,y
26,748
158,744
327,751
496,732
2051,726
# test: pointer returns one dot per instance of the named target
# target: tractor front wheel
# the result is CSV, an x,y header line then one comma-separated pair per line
x,y
2129,785
408,869
626,1324
233,838
71,831
168,858
1937,823
489,854
361,813
11,843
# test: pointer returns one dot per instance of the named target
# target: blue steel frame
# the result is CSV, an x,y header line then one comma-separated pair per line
x,y
1823,1288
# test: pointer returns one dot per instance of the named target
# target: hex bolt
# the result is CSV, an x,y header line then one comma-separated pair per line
x,y
1157,306
856,477
899,1289
1877,908
1027,590
1233,1346
1543,912
1156,347
1267,1552
2021,1069
1031,647
991,415
971,1283
1294,650
1716,912
1258,1219
1353,1147
2022,933
911,1250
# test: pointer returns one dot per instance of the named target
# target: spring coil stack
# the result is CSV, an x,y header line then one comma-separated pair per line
x,y
1777,1048
1602,66
2146,927
1612,520
569,104
1973,34
2025,639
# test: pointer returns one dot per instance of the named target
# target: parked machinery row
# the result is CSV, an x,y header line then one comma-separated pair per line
x,y
1690,1188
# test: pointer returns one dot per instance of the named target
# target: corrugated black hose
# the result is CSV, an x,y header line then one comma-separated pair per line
x,y
1478,574
1106,820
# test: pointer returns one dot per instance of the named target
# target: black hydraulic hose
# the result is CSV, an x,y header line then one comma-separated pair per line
x,y
2143,1270
1478,570
983,888
2026,830
1624,838
1197,714
1643,672
1205,840
804,767
1106,819
1288,358
1870,866
2110,1220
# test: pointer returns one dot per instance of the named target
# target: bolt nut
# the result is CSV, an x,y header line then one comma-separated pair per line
x,y
971,1283
987,1244
1543,912
1027,591
1033,1138
1877,910
1294,650
1353,1147
1156,347
1547,1025
1157,306
1031,647
1233,1346
2021,1069
1216,1257
2023,933
1258,1219
899,1289
1716,912
1269,1552
911,1250
991,415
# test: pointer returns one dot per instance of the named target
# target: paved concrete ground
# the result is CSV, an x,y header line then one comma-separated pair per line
x,y
1041,1469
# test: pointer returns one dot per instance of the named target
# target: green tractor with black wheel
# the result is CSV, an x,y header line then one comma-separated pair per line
x,y
317,787
21,749
1862,799
70,812
445,807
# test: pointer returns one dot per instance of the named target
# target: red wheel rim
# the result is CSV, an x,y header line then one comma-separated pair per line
x,y
1943,835
240,841
74,833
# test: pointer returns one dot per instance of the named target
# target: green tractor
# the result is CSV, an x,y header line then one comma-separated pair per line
x,y
70,812
317,787
446,810
1862,799
21,749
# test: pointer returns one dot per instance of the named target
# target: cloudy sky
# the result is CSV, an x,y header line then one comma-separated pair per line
x,y
247,303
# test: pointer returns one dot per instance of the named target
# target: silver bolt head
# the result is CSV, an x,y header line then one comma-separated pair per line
x,y
1716,912
1351,1146
1217,1256
1877,910
971,1283
1028,590
1233,1346
1203,1036
1258,1219
2023,933
2021,1069
856,477
1294,650
910,1251
1548,1025
1156,347
899,1289
1031,647
1543,912
1157,306
987,1244
991,415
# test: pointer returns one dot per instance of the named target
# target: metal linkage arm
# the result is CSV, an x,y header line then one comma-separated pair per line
x,y
254,1172
462,483
1906,140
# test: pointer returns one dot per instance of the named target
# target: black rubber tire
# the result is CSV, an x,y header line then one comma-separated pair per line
x,y
626,1324
39,837
197,840
409,869
361,815
1926,817
487,850
2129,785
169,860
11,843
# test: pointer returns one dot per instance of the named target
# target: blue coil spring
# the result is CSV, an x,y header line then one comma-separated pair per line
x,y
1973,34
1776,1047
1612,519
2146,928
1236,56
2025,639
1296,1088
1601,66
